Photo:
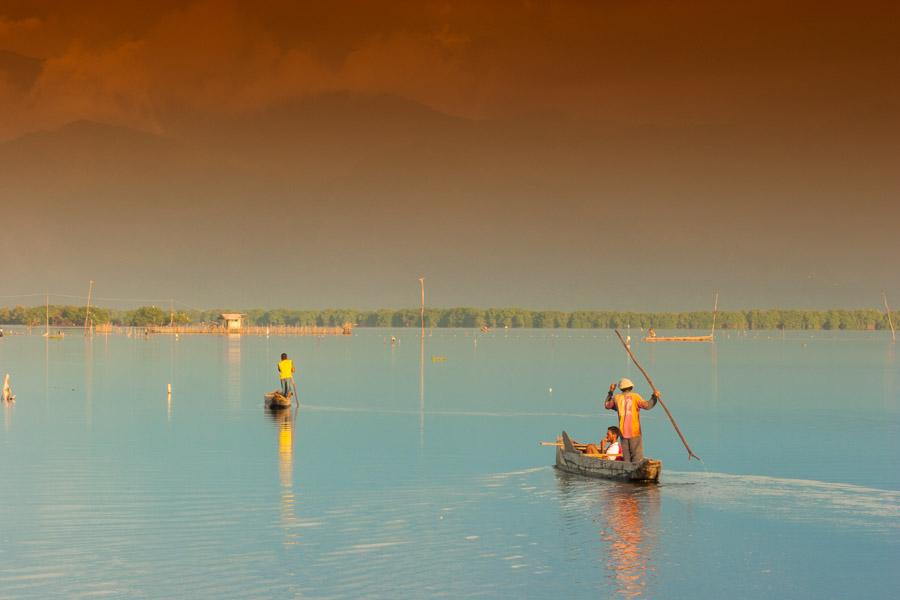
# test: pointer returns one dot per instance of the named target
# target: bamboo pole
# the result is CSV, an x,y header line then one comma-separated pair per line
x,y
296,394
422,285
890,320
87,312
715,311
655,391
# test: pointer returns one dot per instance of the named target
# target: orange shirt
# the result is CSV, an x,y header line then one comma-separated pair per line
x,y
628,406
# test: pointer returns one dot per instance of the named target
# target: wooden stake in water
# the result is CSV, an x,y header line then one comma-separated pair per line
x,y
422,285
890,320
653,387
87,312
715,312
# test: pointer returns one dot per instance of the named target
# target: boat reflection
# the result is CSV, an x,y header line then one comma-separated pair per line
x,y
284,419
628,515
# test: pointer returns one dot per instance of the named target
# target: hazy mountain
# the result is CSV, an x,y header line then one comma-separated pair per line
x,y
339,199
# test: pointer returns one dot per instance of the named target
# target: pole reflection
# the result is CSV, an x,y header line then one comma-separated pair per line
x,y
284,419
89,380
422,390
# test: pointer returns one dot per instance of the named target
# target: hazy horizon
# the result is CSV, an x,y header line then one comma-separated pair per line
x,y
608,156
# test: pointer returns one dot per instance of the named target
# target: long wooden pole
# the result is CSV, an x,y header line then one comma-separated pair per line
x,y
87,313
890,320
422,285
653,387
296,395
715,311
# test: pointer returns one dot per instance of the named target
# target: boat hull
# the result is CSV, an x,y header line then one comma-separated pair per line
x,y
690,338
572,461
278,400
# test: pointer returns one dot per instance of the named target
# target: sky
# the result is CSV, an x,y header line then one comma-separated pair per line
x,y
628,155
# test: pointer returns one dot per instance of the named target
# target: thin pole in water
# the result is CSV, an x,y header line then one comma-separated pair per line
x,y
890,320
87,312
653,387
715,311
422,285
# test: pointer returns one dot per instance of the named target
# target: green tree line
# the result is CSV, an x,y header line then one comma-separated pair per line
x,y
852,319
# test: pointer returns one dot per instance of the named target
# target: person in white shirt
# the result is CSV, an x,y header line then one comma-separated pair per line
x,y
610,446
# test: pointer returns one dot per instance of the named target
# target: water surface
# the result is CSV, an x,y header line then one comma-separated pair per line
x,y
413,470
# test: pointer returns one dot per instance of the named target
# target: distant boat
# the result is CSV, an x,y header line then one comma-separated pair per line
x,y
652,337
683,338
59,334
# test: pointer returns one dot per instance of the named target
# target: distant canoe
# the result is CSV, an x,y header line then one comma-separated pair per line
x,y
686,338
569,459
278,400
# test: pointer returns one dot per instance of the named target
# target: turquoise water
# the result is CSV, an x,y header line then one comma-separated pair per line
x,y
412,472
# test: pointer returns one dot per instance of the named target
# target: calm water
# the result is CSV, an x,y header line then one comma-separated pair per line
x,y
407,478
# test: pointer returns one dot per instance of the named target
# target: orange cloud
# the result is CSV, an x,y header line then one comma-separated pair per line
x,y
633,62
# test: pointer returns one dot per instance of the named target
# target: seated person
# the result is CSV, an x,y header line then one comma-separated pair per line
x,y
610,447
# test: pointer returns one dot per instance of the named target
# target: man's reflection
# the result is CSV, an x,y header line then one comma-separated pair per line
x,y
631,512
284,419
627,514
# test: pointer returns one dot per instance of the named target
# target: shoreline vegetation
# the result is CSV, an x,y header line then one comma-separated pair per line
x,y
792,319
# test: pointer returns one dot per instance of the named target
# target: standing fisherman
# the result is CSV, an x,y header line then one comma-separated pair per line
x,y
629,404
286,374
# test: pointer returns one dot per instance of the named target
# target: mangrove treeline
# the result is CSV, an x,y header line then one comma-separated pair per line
x,y
860,319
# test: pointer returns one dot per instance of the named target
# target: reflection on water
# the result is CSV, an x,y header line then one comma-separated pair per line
x,y
890,372
233,360
89,379
284,419
628,516
210,505
631,512
7,415
422,389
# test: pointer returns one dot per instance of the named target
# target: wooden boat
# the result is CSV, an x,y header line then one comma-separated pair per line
x,y
571,460
56,336
683,338
278,400
652,337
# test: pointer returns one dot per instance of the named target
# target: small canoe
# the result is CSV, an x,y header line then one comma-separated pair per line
x,y
684,338
571,460
278,400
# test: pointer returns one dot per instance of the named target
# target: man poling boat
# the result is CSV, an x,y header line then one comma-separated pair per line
x,y
628,404
584,459
283,398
